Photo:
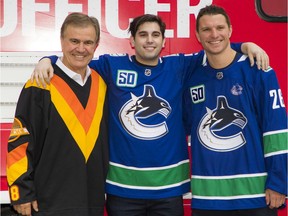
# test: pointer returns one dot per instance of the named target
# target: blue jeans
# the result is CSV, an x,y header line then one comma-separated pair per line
x,y
120,206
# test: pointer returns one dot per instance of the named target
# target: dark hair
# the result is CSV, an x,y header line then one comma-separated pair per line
x,y
212,10
134,25
81,20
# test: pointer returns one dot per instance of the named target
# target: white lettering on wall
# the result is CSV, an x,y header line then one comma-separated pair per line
x,y
112,19
9,18
62,9
184,10
94,9
153,7
29,8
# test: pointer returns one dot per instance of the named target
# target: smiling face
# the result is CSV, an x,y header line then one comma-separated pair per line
x,y
214,33
78,47
148,43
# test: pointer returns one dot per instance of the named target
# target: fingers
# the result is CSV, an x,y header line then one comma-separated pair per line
x,y
35,77
266,62
42,73
274,199
262,61
50,73
256,53
23,209
40,79
258,61
35,206
276,203
279,201
251,58
267,197
45,77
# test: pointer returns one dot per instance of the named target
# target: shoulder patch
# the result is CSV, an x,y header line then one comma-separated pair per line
x,y
17,130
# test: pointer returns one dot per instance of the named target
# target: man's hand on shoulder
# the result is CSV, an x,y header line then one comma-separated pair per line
x,y
43,72
256,52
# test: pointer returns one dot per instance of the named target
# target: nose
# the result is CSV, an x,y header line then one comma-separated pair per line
x,y
150,38
214,32
81,47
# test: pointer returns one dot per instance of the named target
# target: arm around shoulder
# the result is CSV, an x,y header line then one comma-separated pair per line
x,y
254,51
44,71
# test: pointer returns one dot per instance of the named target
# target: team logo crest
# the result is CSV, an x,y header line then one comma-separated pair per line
x,y
136,113
221,129
236,89
219,75
148,72
17,130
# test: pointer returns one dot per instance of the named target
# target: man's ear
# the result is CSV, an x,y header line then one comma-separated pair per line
x,y
230,33
96,47
132,41
61,42
197,36
163,43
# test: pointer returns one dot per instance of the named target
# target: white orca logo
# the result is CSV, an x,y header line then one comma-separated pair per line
x,y
145,107
217,120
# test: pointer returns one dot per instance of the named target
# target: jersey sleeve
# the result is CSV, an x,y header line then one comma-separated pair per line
x,y
274,126
99,64
25,142
187,112
52,58
237,47
191,63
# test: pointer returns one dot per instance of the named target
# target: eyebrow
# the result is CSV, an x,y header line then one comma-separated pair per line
x,y
147,32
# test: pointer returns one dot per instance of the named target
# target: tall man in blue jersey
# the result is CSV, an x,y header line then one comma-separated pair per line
x,y
149,166
237,120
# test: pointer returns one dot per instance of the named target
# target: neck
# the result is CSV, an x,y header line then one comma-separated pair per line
x,y
83,74
221,60
146,64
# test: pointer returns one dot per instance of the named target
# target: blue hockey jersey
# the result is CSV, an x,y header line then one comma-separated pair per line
x,y
238,125
148,148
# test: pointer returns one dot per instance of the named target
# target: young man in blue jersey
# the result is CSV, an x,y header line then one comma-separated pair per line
x,y
237,120
149,166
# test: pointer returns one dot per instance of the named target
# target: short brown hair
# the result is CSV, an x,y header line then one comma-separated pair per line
x,y
134,25
212,10
81,20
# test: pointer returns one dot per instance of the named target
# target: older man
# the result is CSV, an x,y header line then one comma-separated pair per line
x,y
57,150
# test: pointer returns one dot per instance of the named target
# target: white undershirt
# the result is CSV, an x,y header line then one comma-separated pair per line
x,y
75,76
